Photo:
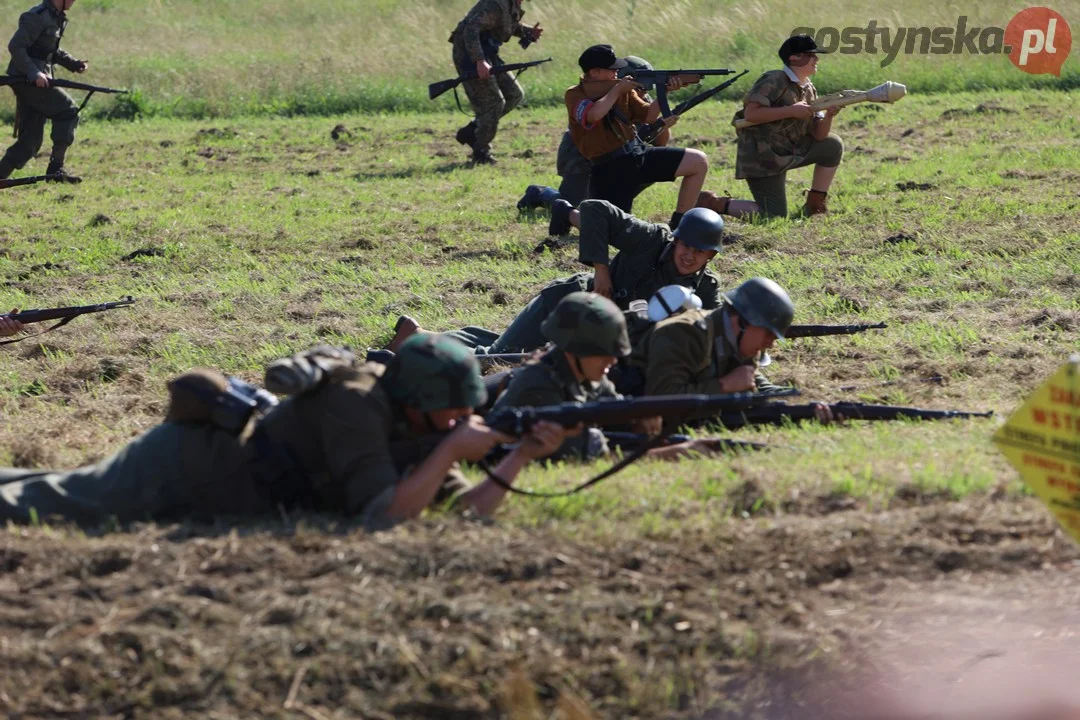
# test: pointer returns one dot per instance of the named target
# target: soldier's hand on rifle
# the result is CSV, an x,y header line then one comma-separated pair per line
x,y
802,111
670,120
675,82
544,439
824,414
82,66
483,69
741,379
41,80
832,112
628,84
8,326
472,439
602,281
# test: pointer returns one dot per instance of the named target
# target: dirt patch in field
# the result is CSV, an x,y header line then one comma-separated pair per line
x,y
427,621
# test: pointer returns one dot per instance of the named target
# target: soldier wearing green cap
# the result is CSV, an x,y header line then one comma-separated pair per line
x,y
329,447
650,257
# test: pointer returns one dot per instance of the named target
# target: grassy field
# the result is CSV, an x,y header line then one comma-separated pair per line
x,y
197,58
669,591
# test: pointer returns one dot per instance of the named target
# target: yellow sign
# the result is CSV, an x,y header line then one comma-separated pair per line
x,y
1042,440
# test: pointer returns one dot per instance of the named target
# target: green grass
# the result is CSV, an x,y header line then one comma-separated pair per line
x,y
199,59
270,236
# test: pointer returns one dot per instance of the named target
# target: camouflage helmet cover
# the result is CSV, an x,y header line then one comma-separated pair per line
x,y
763,303
434,372
587,324
701,228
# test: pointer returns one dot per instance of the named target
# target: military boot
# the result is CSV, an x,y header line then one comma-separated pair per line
x,y
56,172
6,168
467,134
815,203
560,218
718,204
482,157
538,196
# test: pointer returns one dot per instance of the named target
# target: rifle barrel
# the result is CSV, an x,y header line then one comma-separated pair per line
x,y
776,413
799,331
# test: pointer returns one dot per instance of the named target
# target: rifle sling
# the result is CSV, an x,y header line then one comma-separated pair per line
x,y
63,322
628,460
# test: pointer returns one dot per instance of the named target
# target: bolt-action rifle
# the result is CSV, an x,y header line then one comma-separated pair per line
x,y
67,84
778,413
63,314
16,182
436,89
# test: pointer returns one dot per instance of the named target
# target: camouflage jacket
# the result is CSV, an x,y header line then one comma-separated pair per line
x,y
688,353
488,21
550,381
771,148
35,46
643,264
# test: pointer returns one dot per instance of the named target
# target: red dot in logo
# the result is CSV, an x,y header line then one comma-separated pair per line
x,y
1040,41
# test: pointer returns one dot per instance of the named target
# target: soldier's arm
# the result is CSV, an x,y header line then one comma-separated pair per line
x,y
604,225
676,352
68,61
760,103
764,385
30,26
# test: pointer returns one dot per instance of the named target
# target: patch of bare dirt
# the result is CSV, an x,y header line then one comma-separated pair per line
x,y
427,621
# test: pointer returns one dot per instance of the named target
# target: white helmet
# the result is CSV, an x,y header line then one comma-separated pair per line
x,y
672,299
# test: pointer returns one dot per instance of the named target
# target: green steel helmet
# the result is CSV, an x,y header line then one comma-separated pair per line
x,y
763,303
633,63
434,372
587,324
701,228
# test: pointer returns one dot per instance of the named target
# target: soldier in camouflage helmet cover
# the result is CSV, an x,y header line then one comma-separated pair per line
x,y
351,442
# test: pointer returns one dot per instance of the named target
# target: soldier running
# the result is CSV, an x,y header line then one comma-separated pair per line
x,y
476,41
35,47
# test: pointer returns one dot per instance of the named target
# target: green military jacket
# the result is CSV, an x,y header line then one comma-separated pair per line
x,y
35,46
643,264
342,447
550,381
688,353
498,19
771,148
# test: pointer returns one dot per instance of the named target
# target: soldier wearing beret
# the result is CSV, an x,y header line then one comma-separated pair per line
x,y
603,110
346,442
476,41
790,135
35,48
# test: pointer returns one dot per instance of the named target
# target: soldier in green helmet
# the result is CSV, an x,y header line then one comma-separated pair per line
x,y
328,447
650,256
713,351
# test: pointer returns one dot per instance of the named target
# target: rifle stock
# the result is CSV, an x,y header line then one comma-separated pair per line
x,y
438,88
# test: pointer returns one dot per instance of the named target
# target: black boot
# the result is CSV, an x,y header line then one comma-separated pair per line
x,y
6,168
482,157
56,172
467,134
538,196
560,218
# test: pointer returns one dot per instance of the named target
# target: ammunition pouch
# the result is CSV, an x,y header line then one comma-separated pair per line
x,y
207,396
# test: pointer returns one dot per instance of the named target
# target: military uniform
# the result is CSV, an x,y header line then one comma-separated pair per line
x,y
768,150
642,266
341,447
550,381
34,48
478,37
686,354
